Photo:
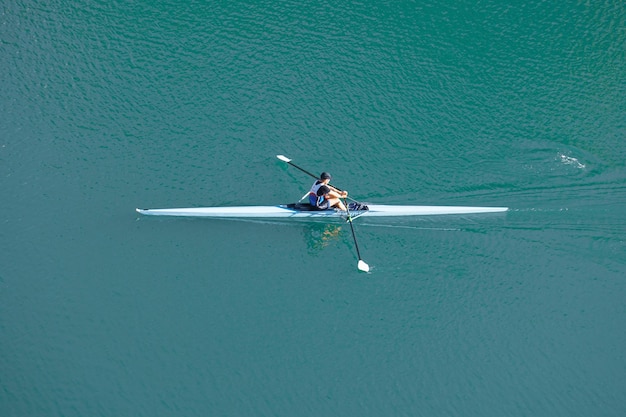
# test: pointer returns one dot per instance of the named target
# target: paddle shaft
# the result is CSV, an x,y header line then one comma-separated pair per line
x,y
356,245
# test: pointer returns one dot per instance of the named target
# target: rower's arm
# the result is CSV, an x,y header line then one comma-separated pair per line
x,y
338,194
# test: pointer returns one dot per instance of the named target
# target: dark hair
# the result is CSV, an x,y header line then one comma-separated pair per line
x,y
325,176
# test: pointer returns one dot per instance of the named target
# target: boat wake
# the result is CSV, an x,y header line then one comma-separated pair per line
x,y
394,226
569,160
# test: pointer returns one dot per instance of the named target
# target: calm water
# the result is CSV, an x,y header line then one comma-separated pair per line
x,y
108,107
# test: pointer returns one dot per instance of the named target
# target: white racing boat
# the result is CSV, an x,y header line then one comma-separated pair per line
x,y
306,211
299,210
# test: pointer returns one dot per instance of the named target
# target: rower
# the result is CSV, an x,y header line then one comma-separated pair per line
x,y
324,196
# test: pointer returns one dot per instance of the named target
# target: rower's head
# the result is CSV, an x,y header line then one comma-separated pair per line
x,y
323,190
325,176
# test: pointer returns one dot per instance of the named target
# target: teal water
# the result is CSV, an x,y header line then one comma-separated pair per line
x,y
111,106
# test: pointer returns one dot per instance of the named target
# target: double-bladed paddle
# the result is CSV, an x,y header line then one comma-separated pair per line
x,y
361,265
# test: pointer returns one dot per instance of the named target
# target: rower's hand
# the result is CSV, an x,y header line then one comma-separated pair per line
x,y
344,194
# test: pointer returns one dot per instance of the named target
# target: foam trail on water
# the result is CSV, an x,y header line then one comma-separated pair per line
x,y
568,160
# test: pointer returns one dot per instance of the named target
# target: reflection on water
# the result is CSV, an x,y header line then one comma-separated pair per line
x,y
319,235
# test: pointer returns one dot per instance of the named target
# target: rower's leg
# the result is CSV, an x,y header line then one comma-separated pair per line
x,y
335,202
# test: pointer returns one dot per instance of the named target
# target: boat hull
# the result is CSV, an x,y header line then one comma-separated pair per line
x,y
284,211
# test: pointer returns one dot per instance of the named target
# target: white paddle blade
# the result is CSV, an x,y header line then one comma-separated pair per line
x,y
283,158
363,266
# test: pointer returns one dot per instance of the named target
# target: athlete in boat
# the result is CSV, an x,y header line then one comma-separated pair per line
x,y
324,196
